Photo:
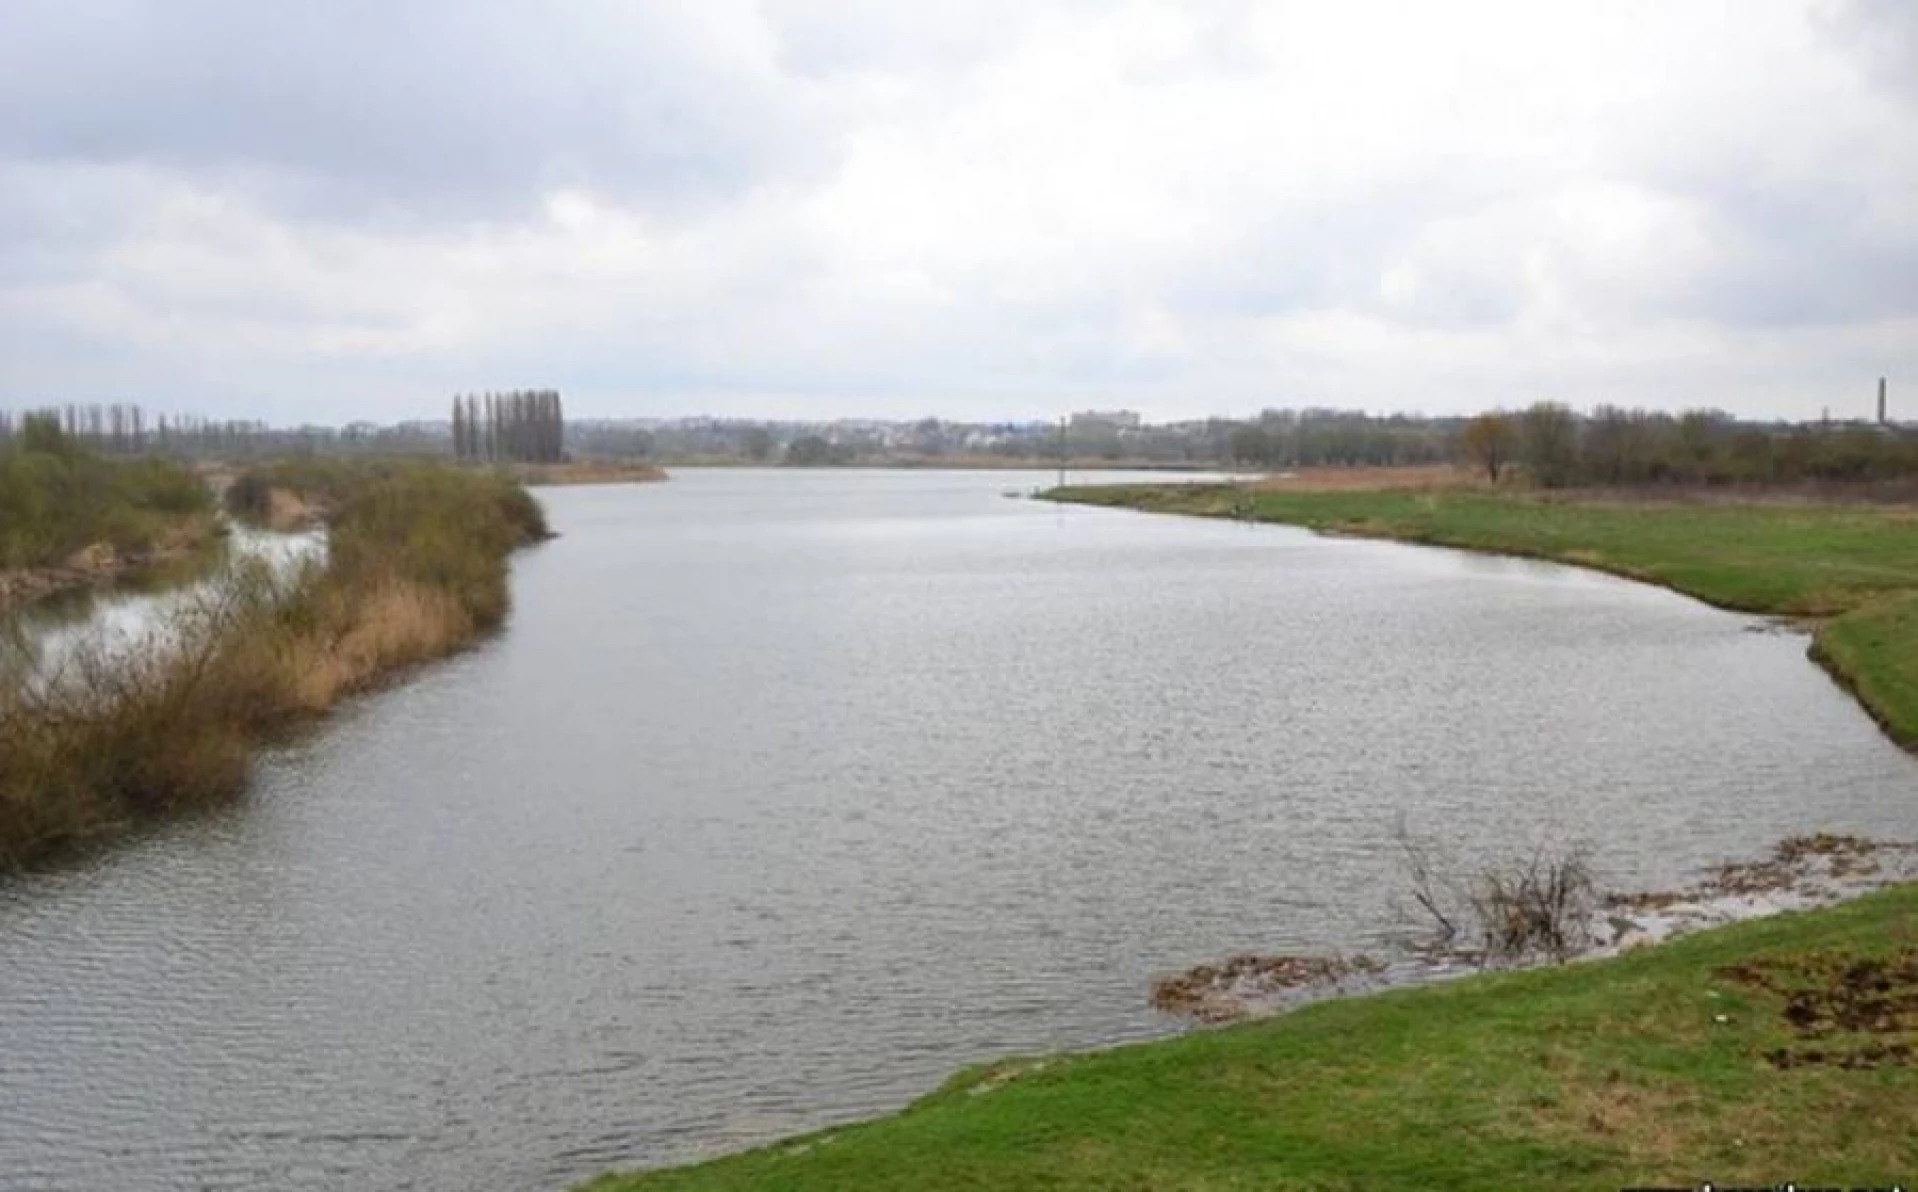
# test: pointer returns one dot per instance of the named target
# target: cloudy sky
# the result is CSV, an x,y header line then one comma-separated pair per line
x,y
998,208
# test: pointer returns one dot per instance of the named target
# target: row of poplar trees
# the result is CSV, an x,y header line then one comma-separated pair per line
x,y
525,426
125,429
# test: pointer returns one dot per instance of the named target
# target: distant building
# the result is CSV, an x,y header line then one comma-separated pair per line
x,y
1106,420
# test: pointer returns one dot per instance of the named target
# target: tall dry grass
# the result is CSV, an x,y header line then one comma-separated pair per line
x,y
415,569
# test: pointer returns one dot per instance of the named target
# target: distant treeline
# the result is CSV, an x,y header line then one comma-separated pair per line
x,y
123,429
524,426
1552,443
1291,437
1340,438
1611,446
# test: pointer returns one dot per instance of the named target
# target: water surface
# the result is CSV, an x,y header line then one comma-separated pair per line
x,y
786,794
145,611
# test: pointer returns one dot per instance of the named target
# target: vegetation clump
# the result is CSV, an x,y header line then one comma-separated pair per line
x,y
1540,906
415,568
58,499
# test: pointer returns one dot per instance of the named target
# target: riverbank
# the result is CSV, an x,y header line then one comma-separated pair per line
x,y
415,569
104,565
954,463
72,519
1774,1050
1848,570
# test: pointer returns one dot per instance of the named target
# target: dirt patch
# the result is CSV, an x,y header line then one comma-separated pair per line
x,y
589,471
1367,479
1652,1123
1848,1011
1004,1074
1795,859
1238,987
287,511
1819,868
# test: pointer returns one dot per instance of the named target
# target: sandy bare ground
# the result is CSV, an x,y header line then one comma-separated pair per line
x,y
589,471
1368,479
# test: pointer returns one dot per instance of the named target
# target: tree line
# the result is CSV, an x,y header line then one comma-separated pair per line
x,y
122,429
1612,446
1315,437
523,426
1552,443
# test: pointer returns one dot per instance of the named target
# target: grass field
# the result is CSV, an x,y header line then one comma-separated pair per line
x,y
1852,567
1672,1065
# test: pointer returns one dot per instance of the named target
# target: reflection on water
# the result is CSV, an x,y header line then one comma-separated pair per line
x,y
785,794
136,613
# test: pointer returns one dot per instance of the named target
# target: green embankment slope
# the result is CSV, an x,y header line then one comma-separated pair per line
x,y
1771,1051
1855,567
1652,1068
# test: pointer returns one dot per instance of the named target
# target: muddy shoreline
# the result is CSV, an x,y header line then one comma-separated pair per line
x,y
1802,873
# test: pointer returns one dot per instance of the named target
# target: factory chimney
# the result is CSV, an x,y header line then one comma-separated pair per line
x,y
1881,401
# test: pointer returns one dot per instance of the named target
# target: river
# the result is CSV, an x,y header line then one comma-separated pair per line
x,y
785,794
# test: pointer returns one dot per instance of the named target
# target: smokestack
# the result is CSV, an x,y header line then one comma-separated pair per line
x,y
1881,401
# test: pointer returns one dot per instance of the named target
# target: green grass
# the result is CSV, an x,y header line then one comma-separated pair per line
x,y
1597,1075
1855,567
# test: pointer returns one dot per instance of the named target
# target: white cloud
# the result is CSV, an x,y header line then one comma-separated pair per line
x,y
988,210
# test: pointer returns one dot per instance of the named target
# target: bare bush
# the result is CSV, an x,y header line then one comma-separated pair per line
x,y
1542,905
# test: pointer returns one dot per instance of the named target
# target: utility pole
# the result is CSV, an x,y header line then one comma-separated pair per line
x,y
1062,451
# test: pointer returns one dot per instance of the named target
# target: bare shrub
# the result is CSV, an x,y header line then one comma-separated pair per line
x,y
1542,905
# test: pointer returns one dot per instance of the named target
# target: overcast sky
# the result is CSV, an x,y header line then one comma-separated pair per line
x,y
1005,208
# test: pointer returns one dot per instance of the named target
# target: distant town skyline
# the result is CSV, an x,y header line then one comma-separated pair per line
x,y
995,211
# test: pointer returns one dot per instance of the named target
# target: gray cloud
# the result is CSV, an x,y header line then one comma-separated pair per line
x,y
1806,256
401,106
1884,35
348,209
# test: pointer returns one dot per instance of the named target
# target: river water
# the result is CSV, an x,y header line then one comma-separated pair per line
x,y
785,794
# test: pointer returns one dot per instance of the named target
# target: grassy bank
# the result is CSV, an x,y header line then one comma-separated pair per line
x,y
415,568
1672,1065
68,516
1852,567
